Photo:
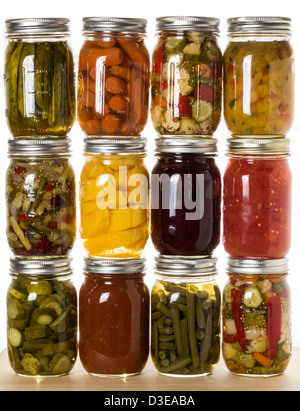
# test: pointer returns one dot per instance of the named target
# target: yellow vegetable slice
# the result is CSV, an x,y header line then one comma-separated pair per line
x,y
121,220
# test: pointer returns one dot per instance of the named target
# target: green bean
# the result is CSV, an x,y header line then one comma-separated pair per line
x,y
162,355
200,314
206,344
155,332
166,338
207,305
176,366
200,334
168,322
176,326
202,294
184,337
174,288
161,322
156,315
165,330
164,310
39,193
182,307
191,300
167,346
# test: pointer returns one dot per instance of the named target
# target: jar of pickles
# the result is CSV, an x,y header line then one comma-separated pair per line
x,y
186,197
259,76
257,195
114,76
186,94
114,318
257,337
40,198
114,198
41,318
185,316
39,78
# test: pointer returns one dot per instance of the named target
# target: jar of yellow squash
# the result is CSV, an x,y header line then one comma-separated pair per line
x,y
259,76
114,195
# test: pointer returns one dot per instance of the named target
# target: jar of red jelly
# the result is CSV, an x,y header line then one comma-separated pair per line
x,y
257,198
114,317
186,197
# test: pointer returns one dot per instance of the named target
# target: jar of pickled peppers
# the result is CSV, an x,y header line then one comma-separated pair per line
x,y
185,316
114,77
41,318
259,76
257,338
186,92
40,198
114,202
39,78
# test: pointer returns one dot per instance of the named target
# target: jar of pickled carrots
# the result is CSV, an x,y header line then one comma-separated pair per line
x,y
186,92
113,78
185,316
259,76
39,78
114,193
41,318
257,337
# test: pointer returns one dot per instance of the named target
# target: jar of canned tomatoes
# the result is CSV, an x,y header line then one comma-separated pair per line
x,y
114,77
40,198
39,78
114,317
186,197
257,338
186,95
185,316
257,198
259,76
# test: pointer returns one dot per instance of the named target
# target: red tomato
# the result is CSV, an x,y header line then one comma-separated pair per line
x,y
185,109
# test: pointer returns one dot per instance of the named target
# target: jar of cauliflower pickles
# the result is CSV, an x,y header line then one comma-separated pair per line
x,y
186,81
257,317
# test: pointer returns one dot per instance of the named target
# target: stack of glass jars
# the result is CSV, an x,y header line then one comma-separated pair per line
x,y
258,108
40,197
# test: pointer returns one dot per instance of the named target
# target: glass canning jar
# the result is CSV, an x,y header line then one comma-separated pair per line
x,y
257,338
259,76
114,317
257,198
186,85
185,317
186,197
40,198
114,77
114,198
39,78
41,318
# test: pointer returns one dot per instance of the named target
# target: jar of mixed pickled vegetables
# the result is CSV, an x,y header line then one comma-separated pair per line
x,y
39,78
40,198
259,76
114,198
186,93
257,338
186,197
114,76
41,318
257,198
114,317
185,316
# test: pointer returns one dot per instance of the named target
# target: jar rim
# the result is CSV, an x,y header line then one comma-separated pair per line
x,y
35,26
117,266
188,23
39,147
258,145
114,145
195,145
114,24
39,267
185,266
259,25
257,267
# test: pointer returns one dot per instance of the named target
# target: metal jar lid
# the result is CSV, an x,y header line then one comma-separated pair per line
x,y
191,23
114,145
35,26
103,266
260,267
259,24
181,266
258,145
114,24
39,267
178,145
27,148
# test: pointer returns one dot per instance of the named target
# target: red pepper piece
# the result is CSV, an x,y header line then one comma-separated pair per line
x,y
20,170
67,219
184,107
49,187
231,339
204,93
161,85
236,301
56,201
274,325
44,244
53,224
158,65
23,217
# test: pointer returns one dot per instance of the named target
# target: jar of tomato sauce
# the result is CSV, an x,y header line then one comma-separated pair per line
x,y
114,317
113,77
257,198
259,76
257,338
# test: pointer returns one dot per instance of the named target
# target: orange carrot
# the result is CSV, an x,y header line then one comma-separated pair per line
x,y
239,368
92,127
203,69
111,123
139,99
136,52
101,75
105,42
103,110
118,104
109,57
120,71
115,85
264,361
88,99
160,101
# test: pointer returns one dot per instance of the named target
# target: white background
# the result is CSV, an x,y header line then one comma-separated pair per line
x,y
151,9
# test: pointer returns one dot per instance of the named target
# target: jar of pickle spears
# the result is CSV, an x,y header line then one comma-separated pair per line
x,y
259,76
40,198
114,194
257,338
186,92
41,318
39,78
185,316
114,76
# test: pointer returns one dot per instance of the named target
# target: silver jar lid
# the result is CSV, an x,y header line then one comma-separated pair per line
x,y
260,267
185,266
259,24
35,26
191,23
41,147
114,24
40,267
187,145
103,266
258,145
114,145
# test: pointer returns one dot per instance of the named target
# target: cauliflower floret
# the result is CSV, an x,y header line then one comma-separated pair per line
x,y
254,333
192,48
230,327
195,37
264,286
229,351
183,81
157,116
260,344
169,123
